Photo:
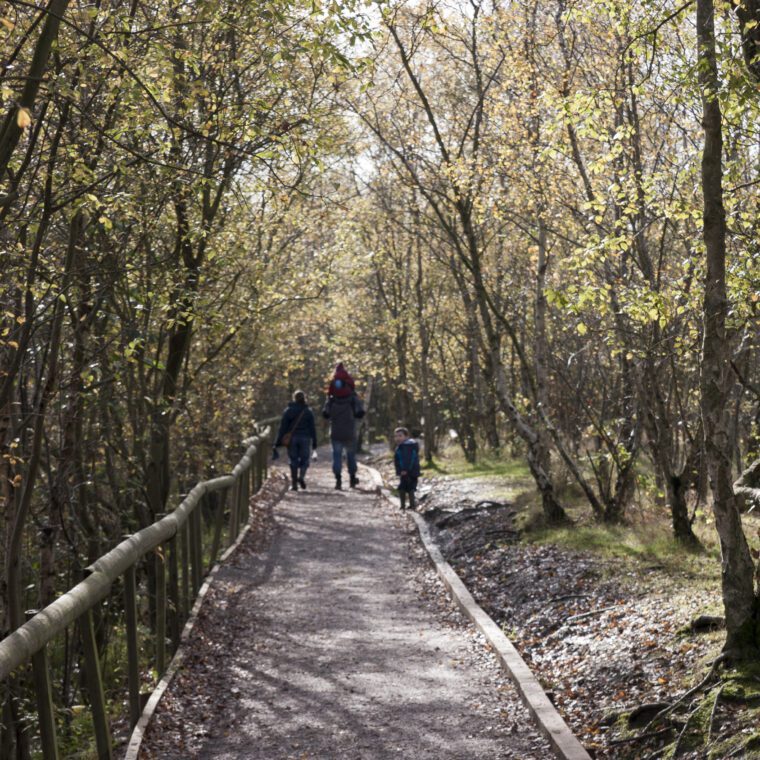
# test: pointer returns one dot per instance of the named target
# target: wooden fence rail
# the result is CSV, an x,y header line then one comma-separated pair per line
x,y
176,540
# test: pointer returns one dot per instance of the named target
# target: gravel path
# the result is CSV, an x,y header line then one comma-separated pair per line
x,y
336,642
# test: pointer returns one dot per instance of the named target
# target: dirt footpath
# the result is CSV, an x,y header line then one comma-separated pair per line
x,y
327,636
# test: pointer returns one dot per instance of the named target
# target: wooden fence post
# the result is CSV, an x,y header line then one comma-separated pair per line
x,y
238,507
195,551
261,453
133,664
247,493
241,503
160,562
174,603
94,680
218,527
256,468
234,507
44,694
184,545
192,539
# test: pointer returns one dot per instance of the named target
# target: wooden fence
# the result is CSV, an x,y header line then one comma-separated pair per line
x,y
176,543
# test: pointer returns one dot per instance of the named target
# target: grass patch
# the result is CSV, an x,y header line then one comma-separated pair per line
x,y
646,546
644,541
453,464
611,540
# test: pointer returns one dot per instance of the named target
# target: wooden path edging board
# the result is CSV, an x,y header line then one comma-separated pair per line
x,y
548,720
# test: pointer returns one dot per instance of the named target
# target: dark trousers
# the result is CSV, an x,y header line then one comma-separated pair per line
x,y
404,495
299,452
406,488
337,452
407,484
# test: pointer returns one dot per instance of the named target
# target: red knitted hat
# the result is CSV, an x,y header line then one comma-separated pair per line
x,y
346,385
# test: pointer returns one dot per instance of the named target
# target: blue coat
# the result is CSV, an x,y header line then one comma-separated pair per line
x,y
305,427
407,459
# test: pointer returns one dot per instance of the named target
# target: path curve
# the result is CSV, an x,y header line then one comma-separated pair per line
x,y
337,642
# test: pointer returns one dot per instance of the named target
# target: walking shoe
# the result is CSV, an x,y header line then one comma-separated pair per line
x,y
354,481
302,482
338,484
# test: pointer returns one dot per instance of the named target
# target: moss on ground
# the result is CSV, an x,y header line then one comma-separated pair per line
x,y
732,729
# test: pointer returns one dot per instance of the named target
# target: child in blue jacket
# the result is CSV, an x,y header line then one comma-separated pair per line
x,y
407,460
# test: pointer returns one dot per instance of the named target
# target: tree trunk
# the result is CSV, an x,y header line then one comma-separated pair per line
x,y
748,12
742,606
542,447
676,489
468,442
470,406
490,423
423,334
428,423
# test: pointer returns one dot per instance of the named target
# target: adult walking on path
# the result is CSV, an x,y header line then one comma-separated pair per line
x,y
343,408
335,642
298,433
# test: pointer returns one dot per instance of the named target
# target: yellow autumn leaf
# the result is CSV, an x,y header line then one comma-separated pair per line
x,y
7,23
23,118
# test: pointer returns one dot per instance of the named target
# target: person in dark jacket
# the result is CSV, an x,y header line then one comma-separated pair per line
x,y
343,408
407,461
299,425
